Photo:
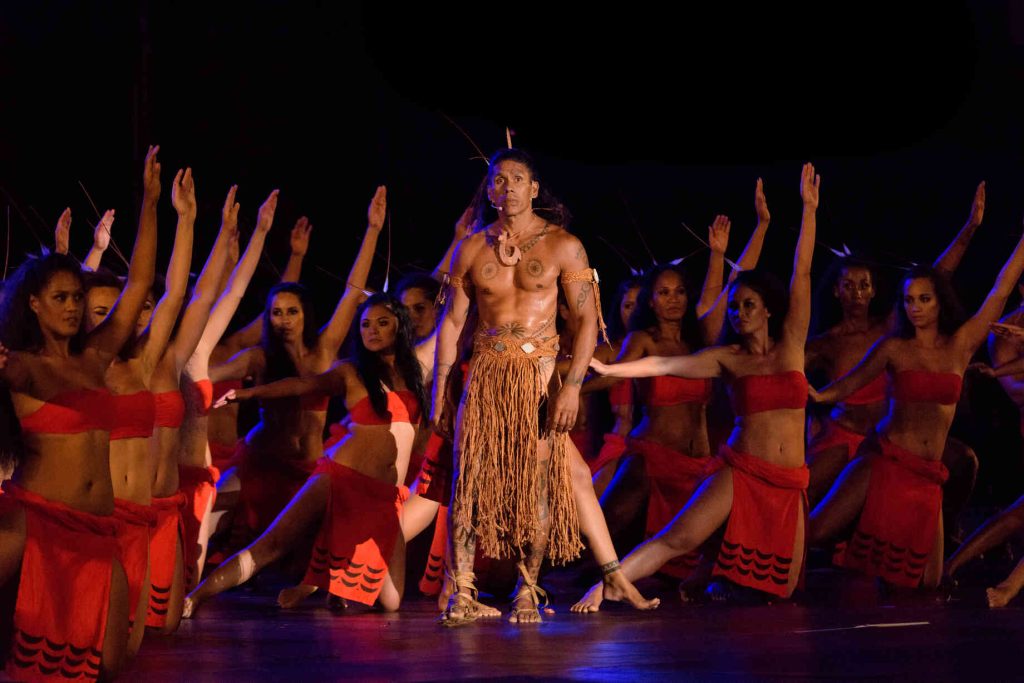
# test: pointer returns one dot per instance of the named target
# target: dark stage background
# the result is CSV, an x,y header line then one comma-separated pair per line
x,y
642,117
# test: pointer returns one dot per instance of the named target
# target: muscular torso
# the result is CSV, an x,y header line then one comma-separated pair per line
x,y
131,465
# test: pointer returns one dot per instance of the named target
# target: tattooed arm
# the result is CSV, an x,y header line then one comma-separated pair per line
x,y
583,309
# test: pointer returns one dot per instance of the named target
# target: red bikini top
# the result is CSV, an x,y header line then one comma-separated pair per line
x,y
201,392
873,392
402,405
133,415
674,391
314,401
71,412
621,394
922,386
758,393
170,409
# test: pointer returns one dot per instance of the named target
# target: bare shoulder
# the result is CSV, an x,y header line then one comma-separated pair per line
x,y
17,373
567,247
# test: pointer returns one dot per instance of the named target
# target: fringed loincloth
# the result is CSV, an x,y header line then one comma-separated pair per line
x,y
498,486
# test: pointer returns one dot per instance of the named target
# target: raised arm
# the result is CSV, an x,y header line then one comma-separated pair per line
x,y
62,233
798,318
331,383
197,313
718,241
228,302
463,227
714,318
245,363
161,324
973,332
100,241
333,333
865,371
705,364
579,286
453,319
949,260
110,335
300,245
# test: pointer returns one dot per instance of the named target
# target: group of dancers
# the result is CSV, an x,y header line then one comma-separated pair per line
x,y
470,396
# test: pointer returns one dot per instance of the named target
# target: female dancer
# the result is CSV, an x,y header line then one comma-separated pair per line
x,y
355,493
57,522
894,492
759,476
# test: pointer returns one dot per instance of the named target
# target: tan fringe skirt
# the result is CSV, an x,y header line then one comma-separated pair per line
x,y
499,480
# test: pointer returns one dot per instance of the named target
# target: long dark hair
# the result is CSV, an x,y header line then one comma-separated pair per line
x,y
828,312
19,325
279,363
951,313
772,292
373,371
546,205
616,328
643,316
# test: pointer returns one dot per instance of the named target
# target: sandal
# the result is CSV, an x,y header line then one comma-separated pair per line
x,y
464,601
536,593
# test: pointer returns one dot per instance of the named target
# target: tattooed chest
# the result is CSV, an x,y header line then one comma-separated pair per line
x,y
531,274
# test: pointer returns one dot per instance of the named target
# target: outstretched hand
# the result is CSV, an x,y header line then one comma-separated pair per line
x,y
809,185
101,235
183,193
464,226
760,203
151,174
982,369
229,214
378,210
598,367
62,233
718,234
978,206
815,395
232,396
300,236
265,218
1014,333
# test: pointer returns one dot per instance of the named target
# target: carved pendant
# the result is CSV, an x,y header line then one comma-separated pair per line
x,y
507,255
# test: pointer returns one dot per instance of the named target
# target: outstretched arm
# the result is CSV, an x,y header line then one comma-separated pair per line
x,y
949,260
973,332
110,335
872,365
333,333
710,316
331,383
300,245
633,348
161,324
705,364
798,318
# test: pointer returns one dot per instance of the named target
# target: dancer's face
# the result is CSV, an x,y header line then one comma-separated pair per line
x,y
854,289
378,327
287,317
920,302
512,188
59,305
421,310
668,298
98,303
747,312
628,305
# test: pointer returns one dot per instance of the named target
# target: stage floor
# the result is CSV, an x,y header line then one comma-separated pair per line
x,y
242,635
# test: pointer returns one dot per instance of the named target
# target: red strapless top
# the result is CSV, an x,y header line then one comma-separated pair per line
x,y
621,394
202,392
758,393
674,391
71,412
133,416
402,405
922,386
872,392
170,409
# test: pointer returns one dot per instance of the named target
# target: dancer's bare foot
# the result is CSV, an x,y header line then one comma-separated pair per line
x,y
1001,595
291,597
617,587
189,607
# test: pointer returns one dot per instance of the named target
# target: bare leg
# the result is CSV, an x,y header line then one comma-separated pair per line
x,y
526,604
1001,595
623,501
115,640
417,514
843,503
962,463
705,512
825,466
206,529
177,595
139,626
994,531
390,598
593,526
304,510
604,476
